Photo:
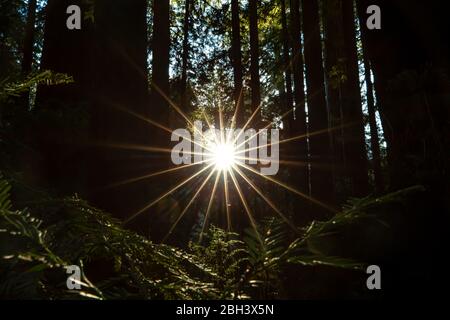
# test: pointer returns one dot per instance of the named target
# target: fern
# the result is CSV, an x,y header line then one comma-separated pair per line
x,y
47,77
37,243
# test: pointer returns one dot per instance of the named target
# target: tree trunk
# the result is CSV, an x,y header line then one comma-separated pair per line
x,y
185,58
254,56
28,48
236,60
374,136
297,66
344,99
121,85
70,52
28,43
321,174
287,68
355,142
160,62
298,125
108,61
334,55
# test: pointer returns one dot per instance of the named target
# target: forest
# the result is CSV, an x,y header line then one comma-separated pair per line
x,y
328,152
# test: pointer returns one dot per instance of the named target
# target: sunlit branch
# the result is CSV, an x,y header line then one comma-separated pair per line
x,y
151,204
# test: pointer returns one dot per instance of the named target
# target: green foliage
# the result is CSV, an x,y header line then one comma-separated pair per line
x,y
226,256
34,254
38,242
46,77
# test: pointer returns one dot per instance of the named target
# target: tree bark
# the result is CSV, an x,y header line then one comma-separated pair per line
x,y
185,58
321,174
28,43
374,136
334,55
236,60
287,68
160,62
28,48
299,147
355,142
108,61
254,56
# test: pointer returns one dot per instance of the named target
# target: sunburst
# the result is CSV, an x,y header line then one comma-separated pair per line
x,y
224,157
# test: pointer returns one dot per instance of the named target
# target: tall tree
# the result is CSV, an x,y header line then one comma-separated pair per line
x,y
161,54
28,46
399,53
108,60
297,65
28,42
321,174
287,68
236,60
374,136
333,39
70,52
299,147
344,100
254,56
356,153
185,54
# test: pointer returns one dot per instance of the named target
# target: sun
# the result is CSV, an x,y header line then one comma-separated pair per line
x,y
223,156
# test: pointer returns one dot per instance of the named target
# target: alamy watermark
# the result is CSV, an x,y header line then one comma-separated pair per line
x,y
241,146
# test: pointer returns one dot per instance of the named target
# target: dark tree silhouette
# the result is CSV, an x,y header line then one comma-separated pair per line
x,y
355,145
254,54
185,54
236,61
321,174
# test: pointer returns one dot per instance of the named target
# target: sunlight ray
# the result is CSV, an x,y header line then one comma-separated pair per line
x,y
266,127
154,174
209,206
221,128
299,137
287,162
236,109
177,109
246,207
140,148
227,200
156,124
247,123
188,206
210,127
151,204
281,184
267,200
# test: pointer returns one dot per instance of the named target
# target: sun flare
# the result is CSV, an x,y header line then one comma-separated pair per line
x,y
223,156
